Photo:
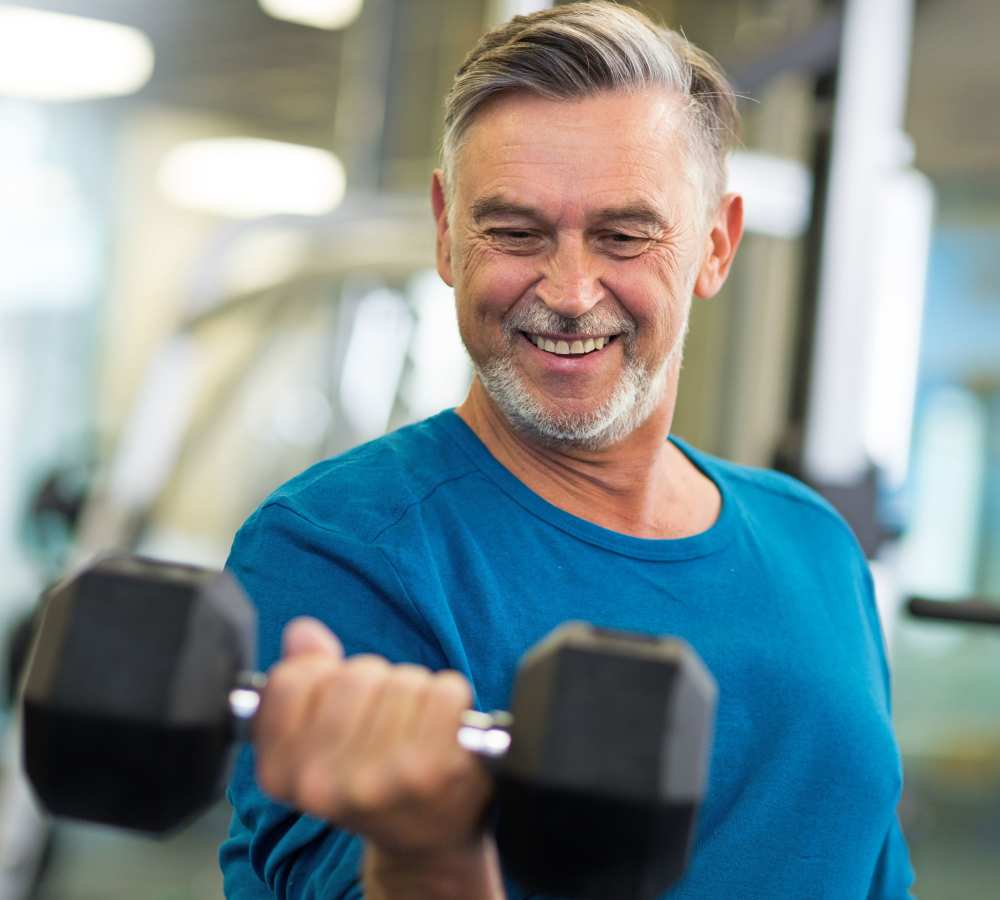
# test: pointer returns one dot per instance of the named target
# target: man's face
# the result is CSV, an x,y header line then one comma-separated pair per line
x,y
574,240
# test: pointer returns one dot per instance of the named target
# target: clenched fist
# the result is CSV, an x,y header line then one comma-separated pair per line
x,y
370,746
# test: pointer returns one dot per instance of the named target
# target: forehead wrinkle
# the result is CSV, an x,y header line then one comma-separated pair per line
x,y
637,209
538,170
632,169
512,117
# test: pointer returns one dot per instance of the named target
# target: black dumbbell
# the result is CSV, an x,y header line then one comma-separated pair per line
x,y
140,680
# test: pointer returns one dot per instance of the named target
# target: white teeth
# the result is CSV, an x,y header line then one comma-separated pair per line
x,y
567,348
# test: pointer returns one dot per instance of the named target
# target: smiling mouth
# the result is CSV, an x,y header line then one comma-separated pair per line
x,y
570,347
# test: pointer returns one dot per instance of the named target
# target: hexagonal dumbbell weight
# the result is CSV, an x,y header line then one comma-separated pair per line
x,y
608,764
126,697
140,679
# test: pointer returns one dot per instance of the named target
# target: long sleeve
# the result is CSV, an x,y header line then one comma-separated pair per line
x,y
291,566
893,873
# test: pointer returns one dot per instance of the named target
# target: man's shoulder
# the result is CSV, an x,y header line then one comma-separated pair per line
x,y
767,492
368,488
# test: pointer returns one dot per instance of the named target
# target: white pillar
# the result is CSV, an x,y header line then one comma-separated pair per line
x,y
868,153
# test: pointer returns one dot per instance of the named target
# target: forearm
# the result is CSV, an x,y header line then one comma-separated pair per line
x,y
466,874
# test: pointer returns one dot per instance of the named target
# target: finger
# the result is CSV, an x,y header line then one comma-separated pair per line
x,y
285,711
449,697
394,721
288,693
340,713
307,635
348,702
459,781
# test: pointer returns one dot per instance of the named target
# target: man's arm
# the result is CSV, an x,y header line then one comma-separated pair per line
x,y
893,878
291,567
471,873
372,748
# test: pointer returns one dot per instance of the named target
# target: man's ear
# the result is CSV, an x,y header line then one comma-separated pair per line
x,y
443,234
721,245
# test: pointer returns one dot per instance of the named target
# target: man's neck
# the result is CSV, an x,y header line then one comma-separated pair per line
x,y
643,486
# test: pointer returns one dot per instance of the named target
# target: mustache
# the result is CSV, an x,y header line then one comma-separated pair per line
x,y
539,319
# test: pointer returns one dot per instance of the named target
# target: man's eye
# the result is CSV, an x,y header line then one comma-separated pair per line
x,y
512,234
515,240
624,244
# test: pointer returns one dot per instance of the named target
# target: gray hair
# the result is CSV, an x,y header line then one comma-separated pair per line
x,y
575,51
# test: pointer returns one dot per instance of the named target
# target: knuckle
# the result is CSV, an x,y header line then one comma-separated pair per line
x,y
281,680
272,779
428,779
316,791
289,682
454,770
409,677
418,776
453,688
365,670
367,792
369,660
367,665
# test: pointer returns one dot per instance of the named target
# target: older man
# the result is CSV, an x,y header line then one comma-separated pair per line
x,y
579,209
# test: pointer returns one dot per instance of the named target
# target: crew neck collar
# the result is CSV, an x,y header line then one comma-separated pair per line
x,y
707,542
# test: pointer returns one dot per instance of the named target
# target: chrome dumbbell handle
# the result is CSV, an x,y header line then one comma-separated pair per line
x,y
484,734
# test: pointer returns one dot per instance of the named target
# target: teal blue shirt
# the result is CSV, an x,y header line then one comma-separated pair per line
x,y
421,547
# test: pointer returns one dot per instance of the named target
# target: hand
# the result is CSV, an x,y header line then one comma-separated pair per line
x,y
370,746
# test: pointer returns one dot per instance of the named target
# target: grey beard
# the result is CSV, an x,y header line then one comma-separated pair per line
x,y
635,396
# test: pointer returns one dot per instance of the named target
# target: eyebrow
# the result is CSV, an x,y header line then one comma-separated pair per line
x,y
634,213
497,207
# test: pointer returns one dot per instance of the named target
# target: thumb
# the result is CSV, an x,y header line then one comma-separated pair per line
x,y
305,635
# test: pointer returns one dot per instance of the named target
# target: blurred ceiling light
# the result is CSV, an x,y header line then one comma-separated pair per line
x,y
245,178
329,14
52,56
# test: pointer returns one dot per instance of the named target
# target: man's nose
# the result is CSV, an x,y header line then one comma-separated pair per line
x,y
571,284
